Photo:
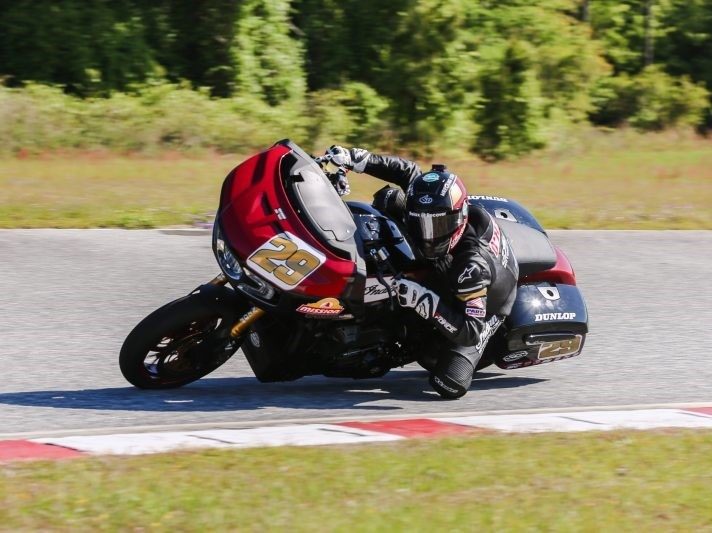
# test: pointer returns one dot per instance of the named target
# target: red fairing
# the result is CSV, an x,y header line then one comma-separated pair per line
x,y
562,272
254,208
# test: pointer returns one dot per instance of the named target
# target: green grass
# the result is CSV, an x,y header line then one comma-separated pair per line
x,y
660,184
551,482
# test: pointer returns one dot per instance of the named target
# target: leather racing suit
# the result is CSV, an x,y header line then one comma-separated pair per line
x,y
476,284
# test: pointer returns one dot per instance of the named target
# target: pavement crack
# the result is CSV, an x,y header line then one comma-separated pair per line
x,y
584,421
343,431
212,438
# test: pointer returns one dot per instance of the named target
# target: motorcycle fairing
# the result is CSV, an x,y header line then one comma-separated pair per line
x,y
258,215
507,210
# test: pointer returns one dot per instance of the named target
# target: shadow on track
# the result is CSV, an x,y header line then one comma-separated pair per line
x,y
247,394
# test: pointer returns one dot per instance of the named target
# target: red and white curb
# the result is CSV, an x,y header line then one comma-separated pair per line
x,y
351,432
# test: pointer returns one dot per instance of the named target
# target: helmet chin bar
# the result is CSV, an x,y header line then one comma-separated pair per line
x,y
433,252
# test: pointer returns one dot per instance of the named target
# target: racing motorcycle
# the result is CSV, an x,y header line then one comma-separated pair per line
x,y
305,286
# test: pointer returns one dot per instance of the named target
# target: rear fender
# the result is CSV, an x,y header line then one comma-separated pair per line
x,y
548,322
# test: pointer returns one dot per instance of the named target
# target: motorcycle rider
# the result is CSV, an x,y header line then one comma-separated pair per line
x,y
472,276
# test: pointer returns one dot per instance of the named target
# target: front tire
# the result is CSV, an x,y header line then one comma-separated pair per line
x,y
181,342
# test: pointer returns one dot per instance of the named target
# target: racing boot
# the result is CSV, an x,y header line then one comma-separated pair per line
x,y
452,376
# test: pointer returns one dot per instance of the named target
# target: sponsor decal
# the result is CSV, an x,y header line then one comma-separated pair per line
x,y
496,239
546,317
444,323
466,274
425,200
474,312
515,356
255,339
505,252
280,214
490,327
476,302
323,308
430,177
550,293
447,185
456,238
437,380
559,349
455,193
425,215
495,198
374,291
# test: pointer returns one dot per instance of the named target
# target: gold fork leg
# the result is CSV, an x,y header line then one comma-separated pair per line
x,y
249,318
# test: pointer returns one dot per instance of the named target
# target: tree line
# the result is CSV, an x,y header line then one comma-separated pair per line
x,y
493,76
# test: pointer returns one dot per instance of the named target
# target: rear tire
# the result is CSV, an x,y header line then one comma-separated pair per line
x,y
181,342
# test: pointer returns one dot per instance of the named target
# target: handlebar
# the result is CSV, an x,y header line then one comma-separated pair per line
x,y
337,178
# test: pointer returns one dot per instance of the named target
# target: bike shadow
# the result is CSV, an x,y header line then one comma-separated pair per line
x,y
247,394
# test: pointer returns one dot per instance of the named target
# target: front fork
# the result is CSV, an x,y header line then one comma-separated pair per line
x,y
245,323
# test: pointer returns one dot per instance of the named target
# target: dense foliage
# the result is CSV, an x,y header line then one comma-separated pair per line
x,y
495,76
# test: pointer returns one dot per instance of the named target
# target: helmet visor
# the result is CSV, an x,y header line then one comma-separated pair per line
x,y
432,231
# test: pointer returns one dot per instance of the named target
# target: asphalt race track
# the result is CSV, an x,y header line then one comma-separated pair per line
x,y
69,297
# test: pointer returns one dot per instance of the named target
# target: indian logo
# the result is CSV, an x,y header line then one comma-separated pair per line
x,y
323,308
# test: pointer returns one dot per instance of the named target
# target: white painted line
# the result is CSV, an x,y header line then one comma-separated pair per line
x,y
647,419
308,435
133,443
586,421
536,423
143,443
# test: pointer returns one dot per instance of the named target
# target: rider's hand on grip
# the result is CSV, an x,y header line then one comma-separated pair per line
x,y
341,183
413,295
339,156
354,159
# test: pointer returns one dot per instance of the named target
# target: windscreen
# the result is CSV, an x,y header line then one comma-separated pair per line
x,y
317,196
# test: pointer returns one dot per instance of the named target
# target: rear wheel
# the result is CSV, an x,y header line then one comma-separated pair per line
x,y
180,342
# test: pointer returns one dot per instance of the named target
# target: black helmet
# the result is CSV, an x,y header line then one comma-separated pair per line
x,y
436,211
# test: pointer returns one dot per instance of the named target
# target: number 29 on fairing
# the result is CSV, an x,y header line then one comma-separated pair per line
x,y
286,260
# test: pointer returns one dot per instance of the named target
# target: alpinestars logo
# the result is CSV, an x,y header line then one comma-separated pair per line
x,y
439,381
427,304
466,274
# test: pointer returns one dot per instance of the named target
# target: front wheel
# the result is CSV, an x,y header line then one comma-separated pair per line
x,y
180,342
